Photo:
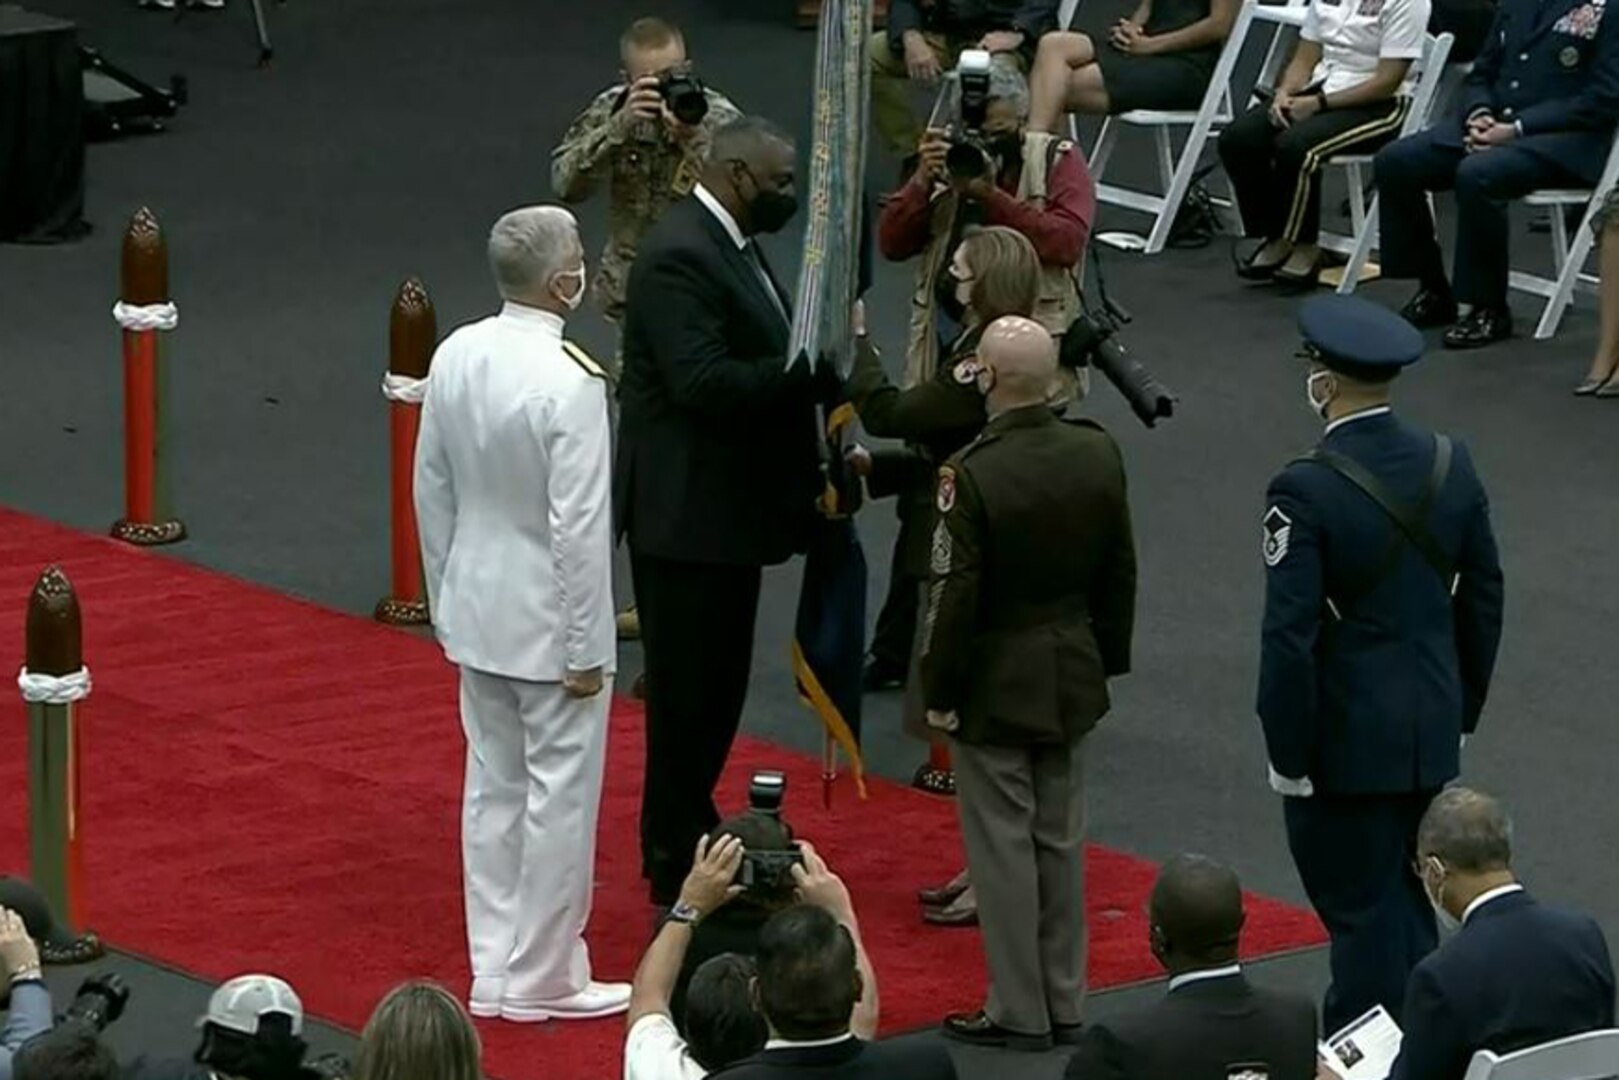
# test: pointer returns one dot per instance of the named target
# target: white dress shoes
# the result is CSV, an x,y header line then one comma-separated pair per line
x,y
595,1000
487,990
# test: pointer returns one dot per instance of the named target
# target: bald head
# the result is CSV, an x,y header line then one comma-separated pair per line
x,y
1467,830
1023,359
1196,912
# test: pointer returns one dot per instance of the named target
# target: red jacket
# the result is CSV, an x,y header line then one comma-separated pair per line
x,y
1059,232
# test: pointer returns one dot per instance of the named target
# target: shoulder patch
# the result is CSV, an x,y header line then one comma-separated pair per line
x,y
583,359
947,490
1278,530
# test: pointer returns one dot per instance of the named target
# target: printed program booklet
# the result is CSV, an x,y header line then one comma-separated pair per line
x,y
1365,1049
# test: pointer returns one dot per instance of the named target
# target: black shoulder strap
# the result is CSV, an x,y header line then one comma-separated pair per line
x,y
1412,523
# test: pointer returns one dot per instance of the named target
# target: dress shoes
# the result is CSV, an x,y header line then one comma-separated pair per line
x,y
1429,310
882,675
593,1002
943,895
1480,327
962,911
978,1029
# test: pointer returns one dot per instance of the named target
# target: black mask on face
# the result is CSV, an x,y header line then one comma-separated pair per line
x,y
769,210
1006,148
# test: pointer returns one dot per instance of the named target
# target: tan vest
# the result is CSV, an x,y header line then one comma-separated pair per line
x,y
1059,297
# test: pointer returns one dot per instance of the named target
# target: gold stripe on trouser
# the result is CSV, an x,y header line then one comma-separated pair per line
x,y
1318,154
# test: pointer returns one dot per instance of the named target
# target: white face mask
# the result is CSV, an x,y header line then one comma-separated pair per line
x,y
1448,923
578,296
1317,407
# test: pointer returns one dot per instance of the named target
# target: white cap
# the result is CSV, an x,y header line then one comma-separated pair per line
x,y
239,1004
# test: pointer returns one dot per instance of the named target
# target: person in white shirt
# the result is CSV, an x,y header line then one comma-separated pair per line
x,y
1341,93
512,503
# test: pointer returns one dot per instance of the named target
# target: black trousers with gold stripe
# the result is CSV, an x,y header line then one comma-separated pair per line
x,y
1276,172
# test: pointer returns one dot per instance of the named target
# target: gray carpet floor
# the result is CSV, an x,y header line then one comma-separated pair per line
x,y
386,139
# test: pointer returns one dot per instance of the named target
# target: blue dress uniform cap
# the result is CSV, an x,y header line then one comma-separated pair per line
x,y
1358,337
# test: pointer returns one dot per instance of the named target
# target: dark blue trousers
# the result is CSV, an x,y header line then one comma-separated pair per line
x,y
1354,854
1485,184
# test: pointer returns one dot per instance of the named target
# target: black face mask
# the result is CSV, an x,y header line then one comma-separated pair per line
x,y
1007,148
769,210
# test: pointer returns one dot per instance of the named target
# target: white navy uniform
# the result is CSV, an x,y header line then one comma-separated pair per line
x,y
513,505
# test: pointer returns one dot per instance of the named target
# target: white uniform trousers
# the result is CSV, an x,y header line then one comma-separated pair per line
x,y
528,832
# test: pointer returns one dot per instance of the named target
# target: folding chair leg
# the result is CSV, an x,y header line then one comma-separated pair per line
x,y
1103,150
1178,183
1166,157
1568,275
1365,237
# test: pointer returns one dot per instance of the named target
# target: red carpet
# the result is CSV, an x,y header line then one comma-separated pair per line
x,y
271,785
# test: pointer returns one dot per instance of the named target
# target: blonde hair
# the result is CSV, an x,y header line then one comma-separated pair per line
x,y
1006,273
419,1032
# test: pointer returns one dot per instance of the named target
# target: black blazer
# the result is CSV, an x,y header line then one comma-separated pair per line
x,y
1518,974
1199,1032
905,1059
717,443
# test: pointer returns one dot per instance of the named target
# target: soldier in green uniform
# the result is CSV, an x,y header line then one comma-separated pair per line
x,y
1031,604
630,139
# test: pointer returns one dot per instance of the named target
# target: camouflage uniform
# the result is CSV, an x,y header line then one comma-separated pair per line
x,y
646,170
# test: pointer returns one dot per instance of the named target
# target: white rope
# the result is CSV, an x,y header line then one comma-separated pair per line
x,y
403,388
54,689
164,316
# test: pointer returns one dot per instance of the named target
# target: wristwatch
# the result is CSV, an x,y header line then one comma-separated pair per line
x,y
683,912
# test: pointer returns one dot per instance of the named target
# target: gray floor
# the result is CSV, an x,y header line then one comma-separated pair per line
x,y
389,136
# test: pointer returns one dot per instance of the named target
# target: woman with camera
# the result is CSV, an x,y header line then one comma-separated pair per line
x,y
1343,92
994,271
1161,57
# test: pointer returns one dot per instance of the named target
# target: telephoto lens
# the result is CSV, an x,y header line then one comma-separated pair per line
x,y
683,93
1090,341
99,1002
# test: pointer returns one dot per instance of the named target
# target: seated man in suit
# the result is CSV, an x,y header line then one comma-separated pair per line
x,y
1516,974
1213,1023
1537,111
814,991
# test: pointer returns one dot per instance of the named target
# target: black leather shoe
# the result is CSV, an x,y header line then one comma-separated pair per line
x,y
979,1030
1428,310
946,894
1482,326
882,675
1067,1034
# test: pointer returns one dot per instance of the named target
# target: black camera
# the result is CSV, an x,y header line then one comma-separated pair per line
x,y
682,91
99,1002
1093,340
961,108
768,872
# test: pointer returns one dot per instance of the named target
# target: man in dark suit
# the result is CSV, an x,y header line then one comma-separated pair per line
x,y
809,985
716,472
1383,597
1537,111
1213,1024
1516,974
1030,608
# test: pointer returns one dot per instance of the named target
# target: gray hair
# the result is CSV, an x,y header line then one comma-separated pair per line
x,y
529,245
1006,83
1468,830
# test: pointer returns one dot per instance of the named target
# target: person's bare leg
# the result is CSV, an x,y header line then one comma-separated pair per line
x,y
1606,359
1087,93
1058,57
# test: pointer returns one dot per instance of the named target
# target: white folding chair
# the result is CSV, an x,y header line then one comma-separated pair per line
x,y
1568,254
1174,173
1431,74
1591,1056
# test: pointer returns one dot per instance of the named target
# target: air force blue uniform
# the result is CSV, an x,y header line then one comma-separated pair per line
x,y
1371,671
1551,67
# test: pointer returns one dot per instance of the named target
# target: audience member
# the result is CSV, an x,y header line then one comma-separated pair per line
x,y
71,1051
419,1032
1034,183
1515,973
1603,379
1537,111
28,1001
1160,57
1341,93
924,38
1213,1023
722,1026
253,1030
813,985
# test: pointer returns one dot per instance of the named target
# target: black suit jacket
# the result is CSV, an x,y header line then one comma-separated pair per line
x,y
717,444
1517,975
1199,1032
907,1059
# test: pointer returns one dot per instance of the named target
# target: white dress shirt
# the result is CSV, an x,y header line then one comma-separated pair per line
x,y
806,1044
1360,414
1200,976
1355,34
1485,897
513,501
654,1050
749,251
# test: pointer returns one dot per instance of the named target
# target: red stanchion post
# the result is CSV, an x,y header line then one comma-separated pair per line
x,y
144,312
412,334
53,681
936,776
